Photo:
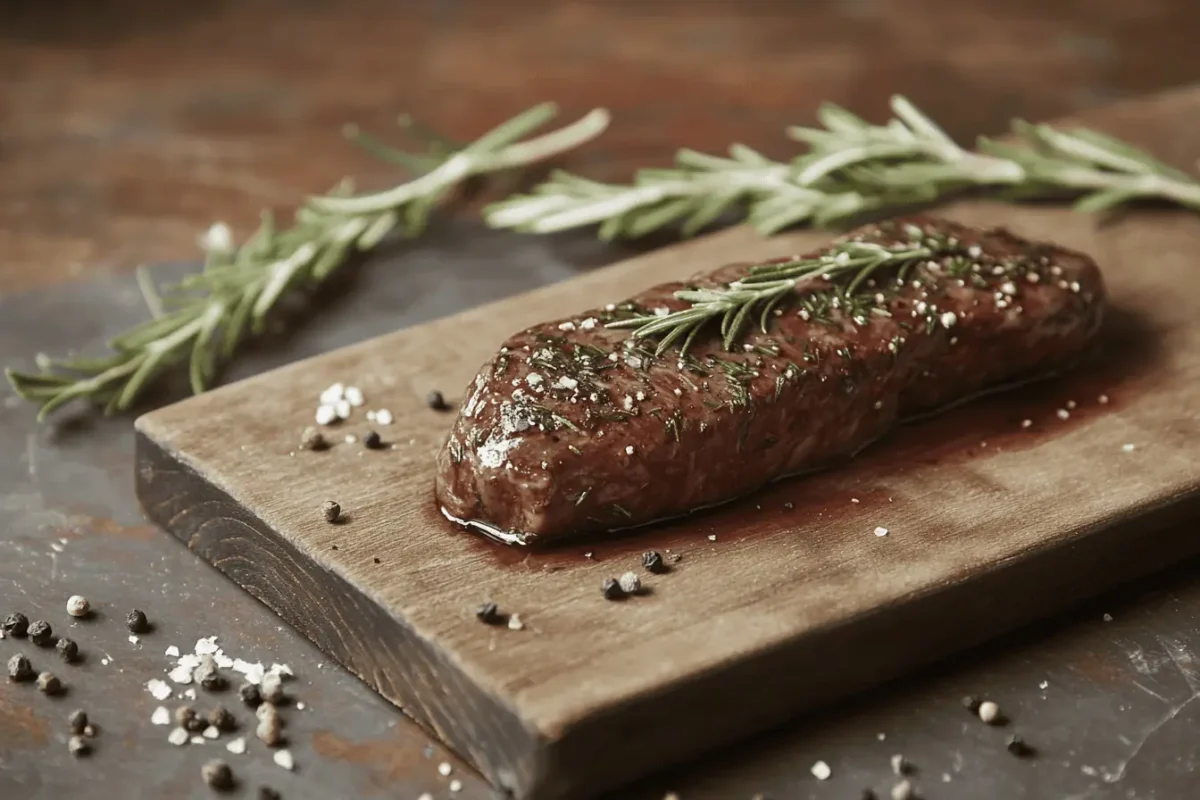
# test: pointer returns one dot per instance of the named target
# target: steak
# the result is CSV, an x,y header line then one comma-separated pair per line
x,y
576,426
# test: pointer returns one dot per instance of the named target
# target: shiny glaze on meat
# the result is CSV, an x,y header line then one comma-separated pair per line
x,y
575,427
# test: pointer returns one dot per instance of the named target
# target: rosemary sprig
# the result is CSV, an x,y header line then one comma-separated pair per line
x,y
846,265
852,168
203,320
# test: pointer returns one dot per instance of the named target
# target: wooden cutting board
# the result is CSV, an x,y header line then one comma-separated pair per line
x,y
781,602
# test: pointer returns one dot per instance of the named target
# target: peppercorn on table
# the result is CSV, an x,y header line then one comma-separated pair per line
x,y
992,515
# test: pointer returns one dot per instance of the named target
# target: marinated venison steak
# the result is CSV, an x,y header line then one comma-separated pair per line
x,y
576,426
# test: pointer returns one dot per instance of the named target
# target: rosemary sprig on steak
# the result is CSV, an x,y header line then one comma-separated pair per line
x,y
843,271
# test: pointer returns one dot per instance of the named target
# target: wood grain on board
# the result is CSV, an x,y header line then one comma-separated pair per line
x,y
991,524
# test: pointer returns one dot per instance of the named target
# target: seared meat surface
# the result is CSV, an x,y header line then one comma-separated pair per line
x,y
577,427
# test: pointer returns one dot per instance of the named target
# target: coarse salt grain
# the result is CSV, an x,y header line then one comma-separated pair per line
x,y
640,396
1128,448
948,319
661,311
566,326
588,323
383,416
197,740
455,786
1026,423
325,414
629,450
334,393
565,382
350,438
854,500
342,408
133,639
1062,413
515,624
1102,399
211,732
284,759
354,396
444,769
881,531
237,746
161,716
1008,287
178,737
678,392
161,690
821,771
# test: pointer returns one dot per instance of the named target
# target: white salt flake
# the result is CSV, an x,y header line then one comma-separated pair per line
x,y
629,450
588,323
1062,413
354,396
1026,423
333,394
974,251
1107,617
300,706
678,392
178,737
284,759
1044,684
133,639
533,379
854,500
342,409
565,382
237,746
1102,399
1128,448
640,396
161,716
1009,288
661,311
881,531
610,307
160,690
190,693
370,416
567,326
217,239
197,740
350,438
211,732
712,537
821,771
455,786
444,769
948,319
172,652
383,416
325,415
515,624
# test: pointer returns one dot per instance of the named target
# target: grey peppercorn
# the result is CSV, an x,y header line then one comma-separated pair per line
x,y
67,649
331,511
49,683
630,583
136,621
436,401
40,632
78,721
220,718
612,589
16,624
250,695
217,774
207,675
652,561
78,746
270,726
19,668
272,688
488,613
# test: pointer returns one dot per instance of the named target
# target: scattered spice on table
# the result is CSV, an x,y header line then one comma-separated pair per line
x,y
78,746
331,511
250,694
217,774
373,441
488,613
78,606
40,632
220,718
136,621
989,712
272,688
611,589
49,683
436,401
1018,747
16,624
77,721
630,583
67,649
652,561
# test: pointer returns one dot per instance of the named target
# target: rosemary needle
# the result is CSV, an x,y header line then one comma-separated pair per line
x,y
851,168
203,320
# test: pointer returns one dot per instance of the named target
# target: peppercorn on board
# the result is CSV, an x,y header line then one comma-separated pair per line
x,y
950,531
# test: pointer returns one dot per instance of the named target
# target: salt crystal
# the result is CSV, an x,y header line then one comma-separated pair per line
x,y
325,415
178,737
300,706
173,651
161,690
383,416
237,746
588,323
161,716
948,319
211,732
370,416
444,768
629,450
455,786
515,624
333,394
342,409
190,693
1026,423
1128,448
354,396
133,640
821,771
1062,413
566,326
881,531
197,740
1043,684
284,759
712,537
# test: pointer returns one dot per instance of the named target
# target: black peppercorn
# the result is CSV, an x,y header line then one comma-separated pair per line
x,y
267,793
652,560
78,721
136,621
436,401
377,561
373,441
869,794
40,632
1018,747
331,511
488,613
971,703
16,624
67,649
19,668
217,774
49,683
250,695
78,746
186,718
221,719
612,589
